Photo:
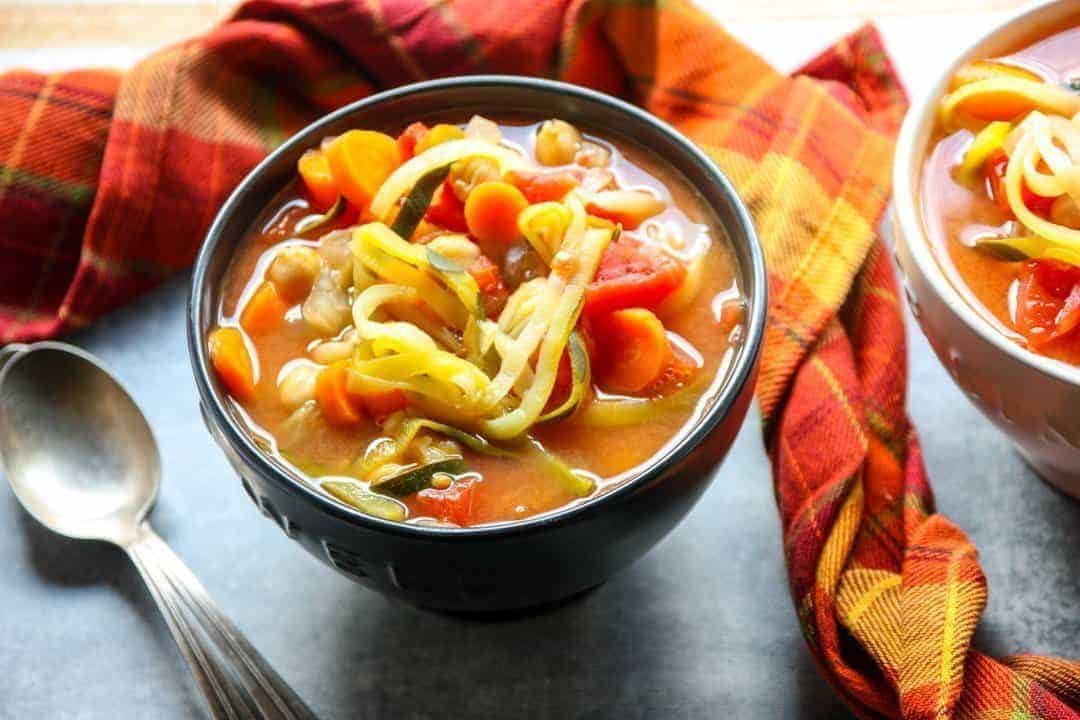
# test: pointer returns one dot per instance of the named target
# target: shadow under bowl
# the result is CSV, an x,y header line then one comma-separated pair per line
x,y
517,565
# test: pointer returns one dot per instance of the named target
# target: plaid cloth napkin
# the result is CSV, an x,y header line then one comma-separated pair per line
x,y
108,182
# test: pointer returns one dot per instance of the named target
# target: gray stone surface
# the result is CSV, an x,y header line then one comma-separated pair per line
x,y
701,627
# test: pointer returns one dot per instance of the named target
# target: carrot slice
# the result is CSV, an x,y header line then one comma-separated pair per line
x,y
332,395
635,349
232,363
264,312
360,161
319,182
492,209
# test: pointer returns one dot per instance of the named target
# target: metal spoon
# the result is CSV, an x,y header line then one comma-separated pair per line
x,y
82,460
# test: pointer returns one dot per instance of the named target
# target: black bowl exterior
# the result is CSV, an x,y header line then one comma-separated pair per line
x,y
518,565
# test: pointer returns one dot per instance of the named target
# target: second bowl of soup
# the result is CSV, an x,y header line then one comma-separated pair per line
x,y
988,220
479,342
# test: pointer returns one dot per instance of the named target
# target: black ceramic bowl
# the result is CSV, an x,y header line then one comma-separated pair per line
x,y
511,566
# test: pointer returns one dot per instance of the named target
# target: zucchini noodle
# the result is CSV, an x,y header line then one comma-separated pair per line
x,y
1038,142
402,180
1027,94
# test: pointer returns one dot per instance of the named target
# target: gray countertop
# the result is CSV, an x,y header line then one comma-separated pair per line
x,y
702,624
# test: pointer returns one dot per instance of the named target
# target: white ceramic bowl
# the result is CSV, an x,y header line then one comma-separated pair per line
x,y
1035,400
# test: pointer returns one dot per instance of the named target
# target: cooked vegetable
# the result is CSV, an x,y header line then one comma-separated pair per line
x,y
632,275
543,225
264,311
408,139
293,271
232,363
470,172
628,208
454,504
544,186
580,377
986,142
322,220
987,70
578,484
438,316
406,176
492,209
416,203
338,406
297,384
634,347
592,155
447,211
416,478
314,170
352,493
1005,98
1012,249
361,161
438,135
1048,301
626,412
557,142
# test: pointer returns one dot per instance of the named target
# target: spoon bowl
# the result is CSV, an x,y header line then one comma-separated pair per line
x,y
78,452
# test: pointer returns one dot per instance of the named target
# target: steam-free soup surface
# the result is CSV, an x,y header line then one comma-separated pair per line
x,y
657,322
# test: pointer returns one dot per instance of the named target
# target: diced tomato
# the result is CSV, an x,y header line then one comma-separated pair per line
x,y
1048,301
408,138
489,280
446,210
994,173
632,275
454,504
539,186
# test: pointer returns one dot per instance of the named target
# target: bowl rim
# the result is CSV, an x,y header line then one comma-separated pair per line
x,y
907,168
740,374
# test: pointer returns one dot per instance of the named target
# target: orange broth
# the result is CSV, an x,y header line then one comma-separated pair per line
x,y
510,488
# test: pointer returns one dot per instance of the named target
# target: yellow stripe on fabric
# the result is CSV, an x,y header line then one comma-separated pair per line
x,y
948,634
868,605
834,385
835,551
396,43
924,611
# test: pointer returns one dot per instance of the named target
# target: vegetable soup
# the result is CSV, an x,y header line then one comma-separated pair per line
x,y
476,323
1001,192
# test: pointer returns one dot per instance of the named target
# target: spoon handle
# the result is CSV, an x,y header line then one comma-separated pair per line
x,y
233,676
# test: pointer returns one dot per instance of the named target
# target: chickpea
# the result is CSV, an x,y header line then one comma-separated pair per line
x,y
331,351
293,271
557,142
298,385
459,250
468,173
441,481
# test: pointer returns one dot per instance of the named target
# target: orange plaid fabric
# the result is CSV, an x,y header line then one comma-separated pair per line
x,y
107,184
